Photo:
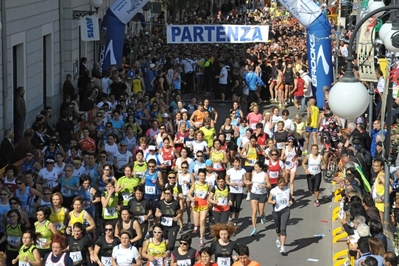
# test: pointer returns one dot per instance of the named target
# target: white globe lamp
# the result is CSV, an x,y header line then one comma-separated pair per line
x,y
96,3
385,28
374,5
348,98
391,40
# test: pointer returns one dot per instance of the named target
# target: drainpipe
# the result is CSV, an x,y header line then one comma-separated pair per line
x,y
6,101
61,34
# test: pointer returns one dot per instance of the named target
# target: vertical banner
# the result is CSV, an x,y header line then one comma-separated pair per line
x,y
319,57
365,52
305,11
114,22
89,29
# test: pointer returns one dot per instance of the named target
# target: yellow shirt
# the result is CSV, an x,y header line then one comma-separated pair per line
x,y
156,251
58,218
252,156
314,116
299,128
208,135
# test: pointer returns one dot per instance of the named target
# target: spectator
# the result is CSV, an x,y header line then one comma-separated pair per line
x,y
371,210
95,72
377,231
67,87
24,145
7,150
19,113
64,128
390,259
364,251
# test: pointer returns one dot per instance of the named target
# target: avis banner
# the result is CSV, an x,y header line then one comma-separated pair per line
x,y
305,11
216,34
89,29
319,57
114,22
365,53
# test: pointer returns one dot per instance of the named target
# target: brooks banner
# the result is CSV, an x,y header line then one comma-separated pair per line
x,y
89,29
190,34
365,53
305,11
319,56
118,14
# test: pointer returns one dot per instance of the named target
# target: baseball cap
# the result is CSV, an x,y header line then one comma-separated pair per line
x,y
152,148
152,65
165,115
379,143
208,162
123,142
50,159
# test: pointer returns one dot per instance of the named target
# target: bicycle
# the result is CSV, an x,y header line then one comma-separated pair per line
x,y
332,164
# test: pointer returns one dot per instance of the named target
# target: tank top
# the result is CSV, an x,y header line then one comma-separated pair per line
x,y
314,116
27,252
186,259
314,164
156,251
252,156
300,84
229,132
66,192
200,194
45,234
274,171
26,199
14,235
139,170
150,188
110,211
222,199
289,74
136,82
61,262
11,184
86,196
79,218
216,158
282,198
58,219
258,179
289,157
185,187
28,165
130,227
168,157
94,174
3,209
131,143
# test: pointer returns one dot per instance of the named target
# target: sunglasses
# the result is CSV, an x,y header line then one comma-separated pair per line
x,y
167,193
123,145
103,156
273,154
151,166
108,126
29,155
107,169
171,177
184,243
3,194
184,167
99,116
157,232
13,203
108,229
19,183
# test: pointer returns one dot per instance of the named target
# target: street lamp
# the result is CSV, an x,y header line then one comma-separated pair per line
x,y
348,98
77,14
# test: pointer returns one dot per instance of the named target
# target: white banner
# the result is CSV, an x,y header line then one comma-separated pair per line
x,y
89,29
305,11
125,10
216,34
365,52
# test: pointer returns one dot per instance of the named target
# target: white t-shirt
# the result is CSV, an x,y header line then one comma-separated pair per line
x,y
223,80
125,256
78,172
122,158
199,146
178,163
236,176
282,198
50,178
111,149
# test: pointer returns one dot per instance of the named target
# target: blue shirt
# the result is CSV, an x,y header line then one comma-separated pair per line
x,y
253,80
373,147
149,76
379,258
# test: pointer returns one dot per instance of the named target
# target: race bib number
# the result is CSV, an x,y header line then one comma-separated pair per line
x,y
236,189
41,242
222,201
66,192
183,262
157,262
251,162
109,211
253,126
224,261
200,194
76,256
283,201
167,221
26,208
181,140
280,145
12,240
315,169
140,219
228,137
139,175
126,196
218,166
197,124
59,226
23,263
51,184
168,163
150,190
107,261
288,163
274,174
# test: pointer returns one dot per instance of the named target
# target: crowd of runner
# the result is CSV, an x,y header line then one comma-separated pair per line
x,y
151,170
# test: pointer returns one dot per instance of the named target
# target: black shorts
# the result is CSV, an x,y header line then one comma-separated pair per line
x,y
261,198
222,88
289,82
231,145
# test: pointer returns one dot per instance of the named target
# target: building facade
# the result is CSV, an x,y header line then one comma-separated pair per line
x,y
40,45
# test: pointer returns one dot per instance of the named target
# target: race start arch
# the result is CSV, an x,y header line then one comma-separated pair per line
x,y
306,12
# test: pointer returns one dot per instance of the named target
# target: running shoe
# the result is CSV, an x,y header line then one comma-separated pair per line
x,y
201,244
248,196
316,203
195,230
282,249
254,232
235,223
263,219
230,220
278,244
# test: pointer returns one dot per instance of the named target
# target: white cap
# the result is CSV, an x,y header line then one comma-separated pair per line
x,y
152,148
152,65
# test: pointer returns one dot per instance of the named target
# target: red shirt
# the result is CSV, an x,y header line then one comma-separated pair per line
x,y
261,140
88,144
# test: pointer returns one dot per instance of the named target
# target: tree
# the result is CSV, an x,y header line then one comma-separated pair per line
x,y
175,6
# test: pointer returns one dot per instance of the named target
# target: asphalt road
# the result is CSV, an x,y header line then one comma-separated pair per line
x,y
305,222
